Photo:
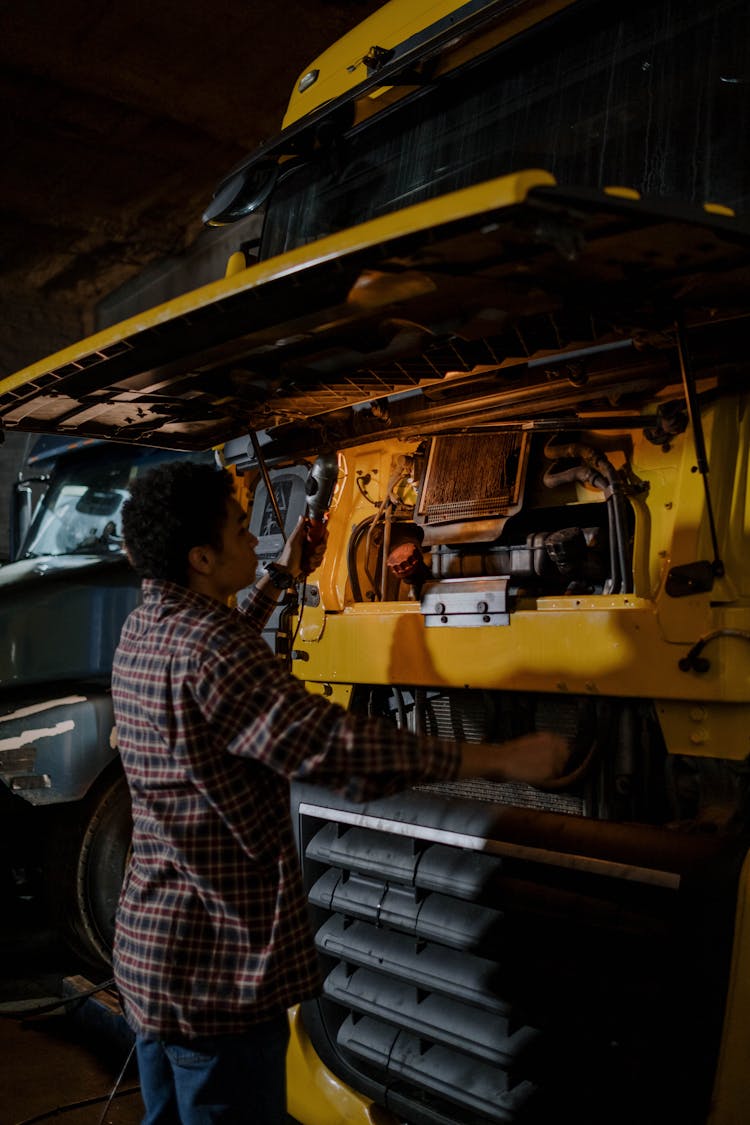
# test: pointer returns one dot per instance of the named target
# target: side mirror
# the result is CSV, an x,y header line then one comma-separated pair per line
x,y
241,194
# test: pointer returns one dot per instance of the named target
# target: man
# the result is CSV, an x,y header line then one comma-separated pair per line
x,y
212,940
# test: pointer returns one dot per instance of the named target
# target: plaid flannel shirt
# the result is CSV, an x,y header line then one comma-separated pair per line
x,y
212,929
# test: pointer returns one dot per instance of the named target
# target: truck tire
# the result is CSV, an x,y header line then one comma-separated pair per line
x,y
88,870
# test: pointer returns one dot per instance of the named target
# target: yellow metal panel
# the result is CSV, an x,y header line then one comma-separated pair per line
x,y
731,1100
342,66
671,521
622,192
655,514
315,1095
706,730
609,645
353,502
312,623
502,192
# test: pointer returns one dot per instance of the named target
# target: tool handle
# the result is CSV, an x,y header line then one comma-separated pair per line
x,y
315,531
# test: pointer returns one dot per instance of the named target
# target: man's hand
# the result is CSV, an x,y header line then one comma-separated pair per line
x,y
533,758
298,555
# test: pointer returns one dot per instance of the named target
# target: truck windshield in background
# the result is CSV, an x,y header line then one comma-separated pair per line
x,y
651,96
81,511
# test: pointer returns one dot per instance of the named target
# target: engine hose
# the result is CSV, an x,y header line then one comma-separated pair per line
x,y
602,469
351,556
614,554
618,499
368,525
587,474
585,749
385,551
573,776
374,582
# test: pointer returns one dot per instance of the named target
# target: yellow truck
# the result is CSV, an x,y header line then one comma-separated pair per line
x,y
501,306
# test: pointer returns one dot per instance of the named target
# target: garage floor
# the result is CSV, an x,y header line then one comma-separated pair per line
x,y
54,1067
58,1067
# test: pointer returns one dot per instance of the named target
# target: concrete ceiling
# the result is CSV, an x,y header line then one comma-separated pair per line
x,y
116,122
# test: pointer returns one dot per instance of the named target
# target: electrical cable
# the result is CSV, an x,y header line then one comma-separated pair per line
x,y
115,1092
24,1012
69,1107
118,1080
694,662
301,607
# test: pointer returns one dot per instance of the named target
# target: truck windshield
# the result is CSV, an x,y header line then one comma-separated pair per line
x,y
80,513
652,96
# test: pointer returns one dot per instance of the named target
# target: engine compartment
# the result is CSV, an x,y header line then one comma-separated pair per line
x,y
480,585
457,508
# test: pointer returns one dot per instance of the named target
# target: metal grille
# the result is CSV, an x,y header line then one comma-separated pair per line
x,y
488,984
469,716
504,981
472,476
506,793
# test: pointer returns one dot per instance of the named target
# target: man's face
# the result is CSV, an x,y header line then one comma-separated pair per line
x,y
235,564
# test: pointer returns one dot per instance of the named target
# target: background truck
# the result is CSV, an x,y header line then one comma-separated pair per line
x,y
65,806
504,281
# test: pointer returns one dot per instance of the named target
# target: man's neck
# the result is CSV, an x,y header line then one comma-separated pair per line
x,y
204,584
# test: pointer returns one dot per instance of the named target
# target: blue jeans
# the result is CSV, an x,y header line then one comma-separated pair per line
x,y
217,1080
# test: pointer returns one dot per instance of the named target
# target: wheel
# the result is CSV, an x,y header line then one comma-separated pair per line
x,y
88,870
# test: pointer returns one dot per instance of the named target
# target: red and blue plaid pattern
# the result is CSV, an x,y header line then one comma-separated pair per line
x,y
212,928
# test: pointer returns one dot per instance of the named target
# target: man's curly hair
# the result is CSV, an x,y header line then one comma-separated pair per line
x,y
171,509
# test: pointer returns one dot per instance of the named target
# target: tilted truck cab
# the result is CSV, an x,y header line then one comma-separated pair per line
x,y
490,287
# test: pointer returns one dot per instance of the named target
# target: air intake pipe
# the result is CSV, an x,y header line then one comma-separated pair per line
x,y
596,469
